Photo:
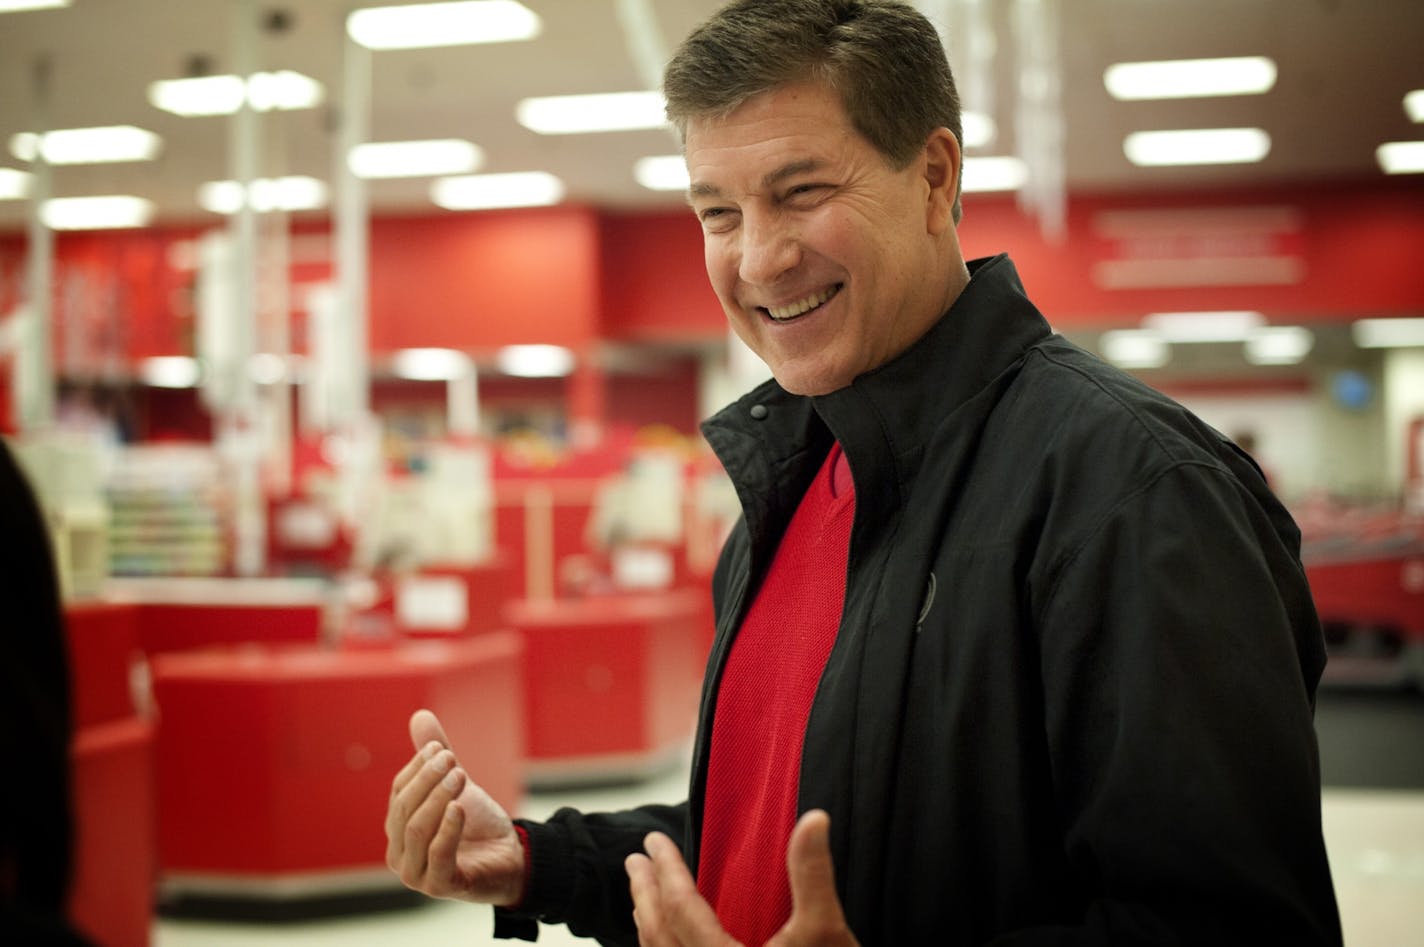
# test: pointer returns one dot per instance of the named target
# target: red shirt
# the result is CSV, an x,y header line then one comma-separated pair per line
x,y
762,706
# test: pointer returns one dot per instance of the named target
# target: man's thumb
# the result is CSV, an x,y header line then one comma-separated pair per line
x,y
808,864
424,727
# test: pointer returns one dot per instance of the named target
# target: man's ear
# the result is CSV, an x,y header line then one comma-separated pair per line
x,y
943,165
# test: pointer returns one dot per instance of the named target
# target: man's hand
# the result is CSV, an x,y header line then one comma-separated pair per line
x,y
445,836
670,913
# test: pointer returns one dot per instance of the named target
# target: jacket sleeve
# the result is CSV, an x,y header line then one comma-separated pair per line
x,y
576,872
1180,654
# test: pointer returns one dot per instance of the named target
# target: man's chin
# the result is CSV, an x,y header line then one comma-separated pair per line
x,y
811,385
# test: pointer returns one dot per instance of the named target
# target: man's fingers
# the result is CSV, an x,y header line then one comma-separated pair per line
x,y
647,908
442,867
411,769
398,807
414,814
422,828
687,916
813,877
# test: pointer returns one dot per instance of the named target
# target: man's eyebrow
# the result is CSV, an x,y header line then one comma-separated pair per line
x,y
699,189
791,169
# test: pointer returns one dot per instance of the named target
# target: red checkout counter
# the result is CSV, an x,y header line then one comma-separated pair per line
x,y
233,750
275,763
1368,588
611,682
111,777
228,749
1365,565
114,755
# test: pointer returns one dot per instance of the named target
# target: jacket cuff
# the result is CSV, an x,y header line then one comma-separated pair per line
x,y
548,880
509,927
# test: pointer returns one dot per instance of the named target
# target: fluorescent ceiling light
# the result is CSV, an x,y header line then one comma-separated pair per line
x,y
535,361
96,213
1401,157
599,112
14,6
413,159
13,184
485,191
88,145
203,95
1197,146
224,95
662,173
1414,105
994,174
420,25
268,194
431,364
1190,78
1388,333
978,129
285,90
268,368
1227,326
170,371
1134,348
1278,345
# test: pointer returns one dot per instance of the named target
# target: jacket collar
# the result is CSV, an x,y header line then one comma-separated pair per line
x,y
771,442
985,331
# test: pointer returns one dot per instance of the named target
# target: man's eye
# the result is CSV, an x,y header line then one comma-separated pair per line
x,y
802,191
717,219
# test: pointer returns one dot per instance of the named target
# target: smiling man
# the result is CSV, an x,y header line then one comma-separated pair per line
x,y
1010,648
828,260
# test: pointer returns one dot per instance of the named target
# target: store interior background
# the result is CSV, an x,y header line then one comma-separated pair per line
x,y
299,482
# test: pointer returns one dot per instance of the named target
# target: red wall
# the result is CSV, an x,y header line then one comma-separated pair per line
x,y
654,282
120,286
472,281
1358,249
467,281
572,275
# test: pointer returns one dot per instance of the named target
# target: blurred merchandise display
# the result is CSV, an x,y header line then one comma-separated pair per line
x,y
67,473
170,512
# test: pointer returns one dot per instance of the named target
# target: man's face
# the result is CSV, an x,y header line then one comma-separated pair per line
x,y
819,251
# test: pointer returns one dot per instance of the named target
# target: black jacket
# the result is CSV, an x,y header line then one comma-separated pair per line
x,y
1071,697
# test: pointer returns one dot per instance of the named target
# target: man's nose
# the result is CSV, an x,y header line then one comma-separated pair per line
x,y
769,249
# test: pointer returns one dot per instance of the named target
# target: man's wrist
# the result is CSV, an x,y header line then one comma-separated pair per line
x,y
549,871
522,890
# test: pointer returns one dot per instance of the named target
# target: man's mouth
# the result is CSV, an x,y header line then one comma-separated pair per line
x,y
802,306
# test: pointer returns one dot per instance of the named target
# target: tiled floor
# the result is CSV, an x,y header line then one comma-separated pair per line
x,y
1375,837
1376,844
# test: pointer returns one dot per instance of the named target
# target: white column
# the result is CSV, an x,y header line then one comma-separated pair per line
x,y
33,378
351,217
237,422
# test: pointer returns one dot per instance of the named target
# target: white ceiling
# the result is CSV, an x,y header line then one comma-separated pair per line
x,y
1344,67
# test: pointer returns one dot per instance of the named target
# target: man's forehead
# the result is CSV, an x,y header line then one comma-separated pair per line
x,y
768,139
777,174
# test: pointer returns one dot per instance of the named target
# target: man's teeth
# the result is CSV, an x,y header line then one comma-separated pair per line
x,y
802,305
